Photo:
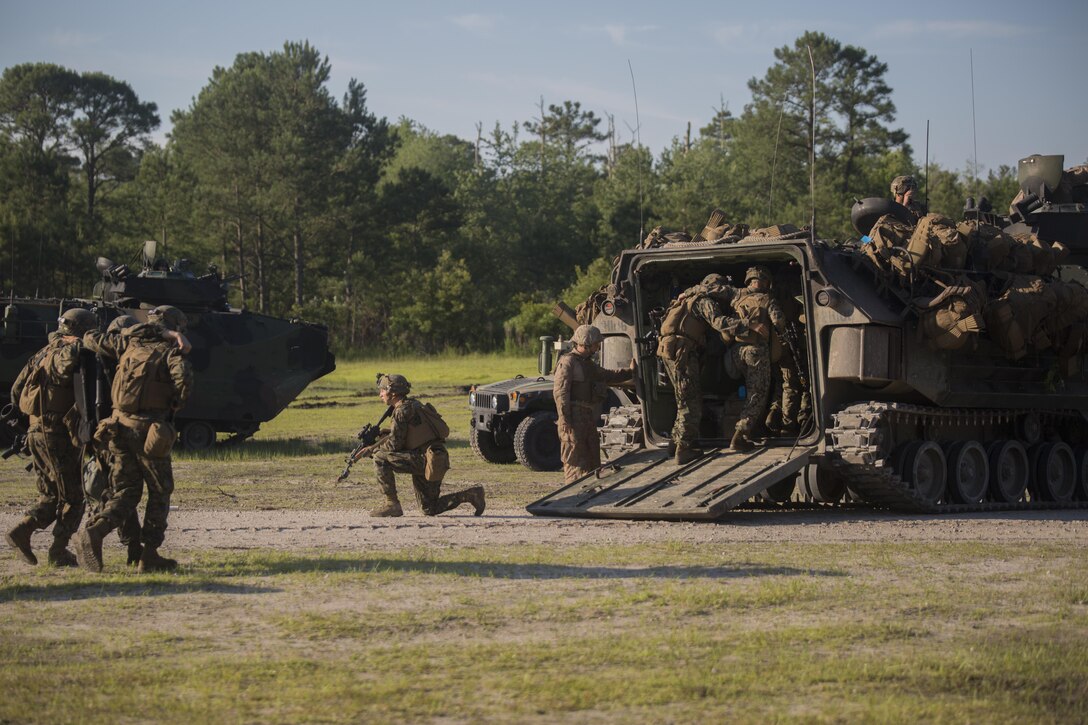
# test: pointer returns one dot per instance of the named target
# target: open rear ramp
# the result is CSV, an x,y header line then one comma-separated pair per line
x,y
646,484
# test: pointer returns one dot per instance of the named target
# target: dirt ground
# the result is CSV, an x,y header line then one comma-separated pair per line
x,y
354,530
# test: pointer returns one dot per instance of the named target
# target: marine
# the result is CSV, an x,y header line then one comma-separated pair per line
x,y
903,189
415,444
45,392
579,389
681,348
750,356
153,381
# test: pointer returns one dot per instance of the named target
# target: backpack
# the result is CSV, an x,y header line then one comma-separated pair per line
x,y
430,428
37,397
138,384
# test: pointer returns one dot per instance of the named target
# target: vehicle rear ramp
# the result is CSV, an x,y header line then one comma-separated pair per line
x,y
647,484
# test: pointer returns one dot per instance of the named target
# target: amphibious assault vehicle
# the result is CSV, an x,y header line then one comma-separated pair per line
x,y
896,422
247,366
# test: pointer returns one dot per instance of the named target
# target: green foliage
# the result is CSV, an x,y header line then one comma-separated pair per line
x,y
399,237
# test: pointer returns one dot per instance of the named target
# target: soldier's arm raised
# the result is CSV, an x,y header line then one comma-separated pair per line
x,y
107,344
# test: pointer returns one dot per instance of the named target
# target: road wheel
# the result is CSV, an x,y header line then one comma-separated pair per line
x,y
484,445
536,442
819,483
1008,470
196,435
968,472
1053,472
922,465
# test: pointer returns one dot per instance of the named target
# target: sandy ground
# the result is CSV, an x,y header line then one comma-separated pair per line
x,y
354,530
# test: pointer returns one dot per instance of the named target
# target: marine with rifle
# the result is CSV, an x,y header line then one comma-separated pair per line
x,y
415,444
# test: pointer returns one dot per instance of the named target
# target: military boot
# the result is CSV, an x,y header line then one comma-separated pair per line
x,y
59,554
475,496
135,552
19,539
686,454
88,545
391,509
150,561
740,441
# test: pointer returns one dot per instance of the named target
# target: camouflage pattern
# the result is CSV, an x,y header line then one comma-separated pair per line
x,y
580,387
684,374
681,354
754,362
131,469
392,456
60,490
54,458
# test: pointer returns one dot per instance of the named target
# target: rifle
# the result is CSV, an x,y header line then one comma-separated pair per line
x,y
791,339
12,418
368,439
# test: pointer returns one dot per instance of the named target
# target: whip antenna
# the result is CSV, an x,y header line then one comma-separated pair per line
x,y
774,163
812,150
927,165
974,132
638,154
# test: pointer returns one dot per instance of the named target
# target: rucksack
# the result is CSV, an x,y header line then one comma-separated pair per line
x,y
430,428
138,384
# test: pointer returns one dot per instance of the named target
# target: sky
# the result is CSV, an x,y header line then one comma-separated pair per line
x,y
452,65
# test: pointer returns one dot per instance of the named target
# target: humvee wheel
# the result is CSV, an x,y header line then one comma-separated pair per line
x,y
1053,472
968,471
483,444
922,465
1008,471
536,442
197,435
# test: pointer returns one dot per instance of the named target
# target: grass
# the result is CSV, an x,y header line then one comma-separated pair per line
x,y
956,631
751,633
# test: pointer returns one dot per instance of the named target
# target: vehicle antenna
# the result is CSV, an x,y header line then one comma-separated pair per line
x,y
774,163
974,131
638,156
812,150
927,165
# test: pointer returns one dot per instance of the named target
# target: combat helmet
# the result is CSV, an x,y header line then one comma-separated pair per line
x,y
757,272
586,335
713,280
120,323
169,317
903,184
76,321
396,384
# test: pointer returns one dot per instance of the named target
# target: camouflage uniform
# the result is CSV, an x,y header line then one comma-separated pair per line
x,y
392,455
683,341
790,401
751,356
165,389
55,459
899,187
580,388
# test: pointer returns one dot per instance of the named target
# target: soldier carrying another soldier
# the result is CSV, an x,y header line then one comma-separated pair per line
x,y
415,445
750,356
44,391
153,380
580,388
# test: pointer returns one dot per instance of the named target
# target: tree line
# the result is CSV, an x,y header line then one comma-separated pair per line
x,y
402,238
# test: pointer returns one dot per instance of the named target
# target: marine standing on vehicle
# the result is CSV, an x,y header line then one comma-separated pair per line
x,y
579,388
153,380
44,391
415,445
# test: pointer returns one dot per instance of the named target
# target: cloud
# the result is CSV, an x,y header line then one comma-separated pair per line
x,y
67,39
622,34
949,28
476,23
